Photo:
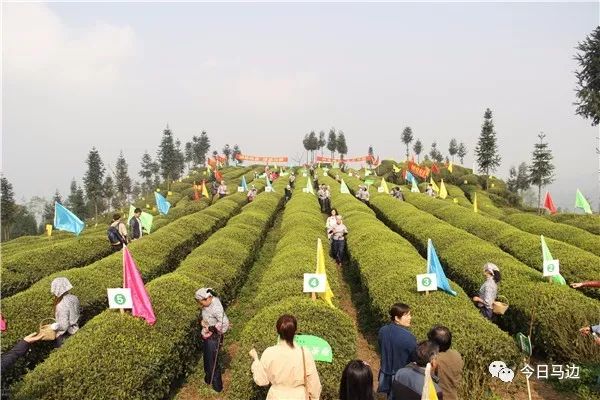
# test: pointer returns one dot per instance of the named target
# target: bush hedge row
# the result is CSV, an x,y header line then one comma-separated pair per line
x,y
558,311
590,223
156,255
280,291
388,264
575,264
562,232
152,358
484,203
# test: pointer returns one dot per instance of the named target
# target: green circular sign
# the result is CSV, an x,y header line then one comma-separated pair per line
x,y
426,281
313,282
550,267
119,299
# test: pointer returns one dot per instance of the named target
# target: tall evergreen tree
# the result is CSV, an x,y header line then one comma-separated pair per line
x,y
108,191
306,145
322,141
462,152
332,142
48,216
511,182
94,180
227,153
169,157
234,155
201,148
435,154
588,83
341,147
76,200
418,148
180,157
122,182
8,207
189,153
453,148
486,151
523,182
147,172
136,189
541,170
24,223
313,144
407,138
371,155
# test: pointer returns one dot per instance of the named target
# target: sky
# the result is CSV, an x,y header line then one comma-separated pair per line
x,y
262,75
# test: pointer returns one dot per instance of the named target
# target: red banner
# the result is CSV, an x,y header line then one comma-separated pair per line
x,y
422,172
242,157
338,160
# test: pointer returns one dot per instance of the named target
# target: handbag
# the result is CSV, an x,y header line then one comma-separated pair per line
x,y
306,394
46,332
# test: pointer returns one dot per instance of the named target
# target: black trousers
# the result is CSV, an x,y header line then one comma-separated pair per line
x,y
210,355
338,248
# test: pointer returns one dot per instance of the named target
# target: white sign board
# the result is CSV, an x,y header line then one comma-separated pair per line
x,y
551,268
119,298
350,174
380,190
268,189
305,190
314,283
304,174
426,282
240,188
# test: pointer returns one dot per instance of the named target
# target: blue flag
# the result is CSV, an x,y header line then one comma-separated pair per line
x,y
244,185
409,176
65,220
269,183
162,204
434,267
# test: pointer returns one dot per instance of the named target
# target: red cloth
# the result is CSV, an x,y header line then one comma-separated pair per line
x,y
549,204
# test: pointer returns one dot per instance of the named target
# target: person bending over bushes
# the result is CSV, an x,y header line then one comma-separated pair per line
x,y
66,310
289,369
488,291
357,381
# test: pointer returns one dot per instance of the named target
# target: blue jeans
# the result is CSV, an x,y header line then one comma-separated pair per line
x,y
210,355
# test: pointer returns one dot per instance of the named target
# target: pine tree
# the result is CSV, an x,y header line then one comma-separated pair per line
x,y
8,207
108,191
122,182
322,141
180,160
24,223
418,148
511,182
332,142
201,148
136,190
435,154
93,180
76,200
462,152
523,182
189,153
147,172
236,152
370,157
453,148
341,147
227,153
170,158
306,144
588,81
541,170
48,216
486,151
407,138
313,144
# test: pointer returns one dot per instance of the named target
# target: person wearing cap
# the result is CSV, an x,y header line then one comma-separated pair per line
x,y
489,290
66,310
214,324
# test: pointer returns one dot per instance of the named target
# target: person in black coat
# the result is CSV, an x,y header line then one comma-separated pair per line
x,y
8,358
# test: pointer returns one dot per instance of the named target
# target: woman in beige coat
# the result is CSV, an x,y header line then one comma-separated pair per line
x,y
289,369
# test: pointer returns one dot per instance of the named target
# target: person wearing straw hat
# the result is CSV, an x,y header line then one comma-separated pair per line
x,y
489,290
214,324
409,382
66,310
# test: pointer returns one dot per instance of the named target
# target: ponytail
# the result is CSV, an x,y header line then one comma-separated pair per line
x,y
497,276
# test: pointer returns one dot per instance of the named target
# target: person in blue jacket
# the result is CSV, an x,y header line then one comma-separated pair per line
x,y
397,345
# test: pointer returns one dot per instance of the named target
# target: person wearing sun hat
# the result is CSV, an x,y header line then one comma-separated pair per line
x,y
489,290
66,310
214,324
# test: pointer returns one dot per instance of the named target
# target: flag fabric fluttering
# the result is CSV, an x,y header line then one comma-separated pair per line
x,y
268,183
409,177
243,184
450,167
204,190
414,188
142,307
428,392
581,202
309,188
435,267
549,204
384,186
433,185
328,294
547,256
475,203
396,169
145,217
162,204
65,220
435,169
443,192
344,188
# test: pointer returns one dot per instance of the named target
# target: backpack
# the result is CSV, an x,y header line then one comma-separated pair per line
x,y
114,237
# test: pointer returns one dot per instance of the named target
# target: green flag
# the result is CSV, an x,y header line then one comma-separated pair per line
x,y
320,349
309,188
524,343
145,218
344,188
581,202
547,256
414,188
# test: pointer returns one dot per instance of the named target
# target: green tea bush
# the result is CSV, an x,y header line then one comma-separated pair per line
x,y
588,222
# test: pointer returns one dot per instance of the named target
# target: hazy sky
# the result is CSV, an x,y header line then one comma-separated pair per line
x,y
112,75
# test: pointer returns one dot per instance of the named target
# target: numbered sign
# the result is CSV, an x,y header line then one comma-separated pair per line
x,y
268,189
119,298
426,282
551,268
380,190
524,344
314,283
240,189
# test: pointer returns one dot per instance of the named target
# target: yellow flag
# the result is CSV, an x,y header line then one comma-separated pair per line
x,y
396,169
204,191
169,193
433,185
475,203
49,229
450,166
384,186
328,294
443,191
455,200
157,189
147,205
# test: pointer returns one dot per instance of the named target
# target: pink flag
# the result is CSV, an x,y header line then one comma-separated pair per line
x,y
2,324
549,204
142,307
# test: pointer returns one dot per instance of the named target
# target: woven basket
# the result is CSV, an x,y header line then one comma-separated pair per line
x,y
500,305
46,332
